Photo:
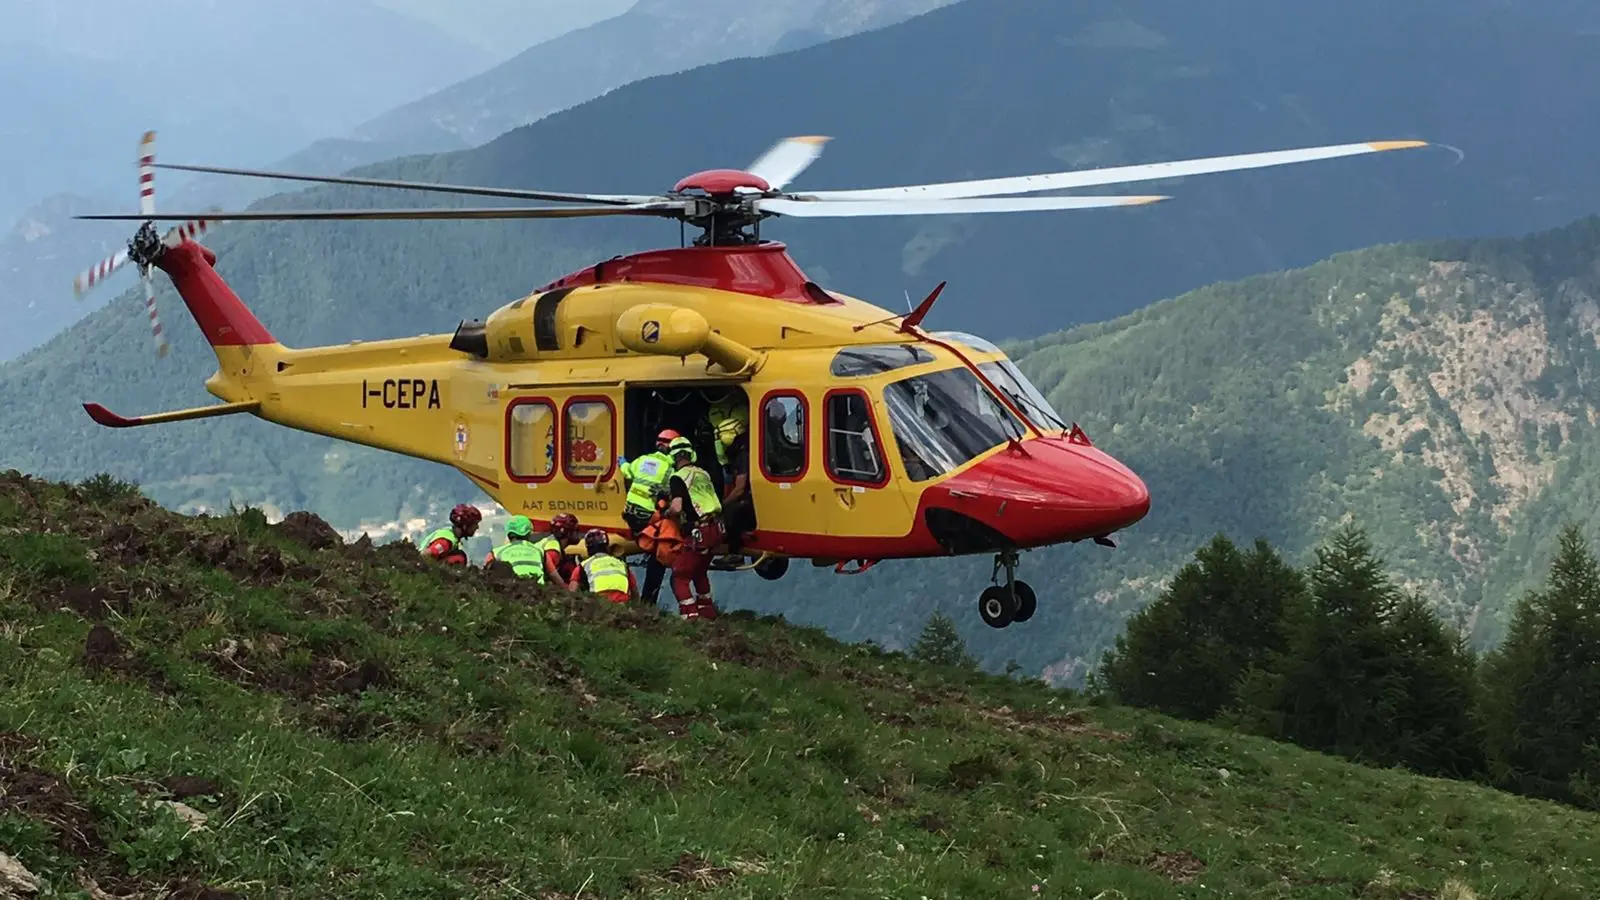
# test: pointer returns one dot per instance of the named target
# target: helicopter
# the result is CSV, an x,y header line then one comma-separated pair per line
x,y
871,438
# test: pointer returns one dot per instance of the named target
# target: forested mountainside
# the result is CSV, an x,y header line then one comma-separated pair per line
x,y
316,282
652,38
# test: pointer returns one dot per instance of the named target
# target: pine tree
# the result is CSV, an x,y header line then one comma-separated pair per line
x,y
1332,691
1541,686
1223,613
1436,695
940,644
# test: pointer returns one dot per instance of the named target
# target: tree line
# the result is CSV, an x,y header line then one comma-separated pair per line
x,y
1337,658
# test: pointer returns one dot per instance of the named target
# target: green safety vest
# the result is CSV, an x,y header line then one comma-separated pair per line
x,y
702,493
447,533
728,419
524,557
606,573
647,474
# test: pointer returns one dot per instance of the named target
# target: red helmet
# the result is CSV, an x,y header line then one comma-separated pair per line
x,y
596,541
666,437
465,516
564,525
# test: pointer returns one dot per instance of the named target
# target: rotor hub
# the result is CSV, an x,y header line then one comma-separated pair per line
x,y
723,182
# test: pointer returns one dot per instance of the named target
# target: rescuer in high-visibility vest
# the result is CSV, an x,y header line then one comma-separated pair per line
x,y
646,478
447,545
729,418
520,551
604,574
697,508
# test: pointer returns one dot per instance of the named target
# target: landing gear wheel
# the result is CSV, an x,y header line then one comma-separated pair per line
x,y
773,569
997,606
1026,602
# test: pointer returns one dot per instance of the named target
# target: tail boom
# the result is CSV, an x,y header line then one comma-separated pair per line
x,y
222,316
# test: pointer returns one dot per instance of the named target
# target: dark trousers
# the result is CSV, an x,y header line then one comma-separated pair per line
x,y
739,517
654,571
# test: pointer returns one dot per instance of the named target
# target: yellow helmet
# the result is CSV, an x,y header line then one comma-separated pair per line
x,y
680,446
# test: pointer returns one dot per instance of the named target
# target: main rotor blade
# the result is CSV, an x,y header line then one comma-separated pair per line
x,y
516,193
1024,184
786,159
667,210
952,206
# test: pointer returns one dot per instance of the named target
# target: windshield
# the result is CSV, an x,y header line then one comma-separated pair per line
x,y
1020,391
943,419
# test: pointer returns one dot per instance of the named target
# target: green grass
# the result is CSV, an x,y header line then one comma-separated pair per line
x,y
357,724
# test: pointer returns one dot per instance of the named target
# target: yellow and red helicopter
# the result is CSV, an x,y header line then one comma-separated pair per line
x,y
870,437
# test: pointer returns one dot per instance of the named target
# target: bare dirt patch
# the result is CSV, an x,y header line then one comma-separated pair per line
x,y
310,531
1180,866
262,663
103,652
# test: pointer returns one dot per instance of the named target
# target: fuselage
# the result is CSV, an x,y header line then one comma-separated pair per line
x,y
867,440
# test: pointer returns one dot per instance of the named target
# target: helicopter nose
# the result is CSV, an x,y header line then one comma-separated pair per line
x,y
1045,493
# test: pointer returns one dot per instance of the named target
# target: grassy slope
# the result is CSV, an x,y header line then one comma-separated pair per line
x,y
356,721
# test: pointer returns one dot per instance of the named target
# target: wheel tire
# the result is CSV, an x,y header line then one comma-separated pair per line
x,y
997,607
1026,602
773,569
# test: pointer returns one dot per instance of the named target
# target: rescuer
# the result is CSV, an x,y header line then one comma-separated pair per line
x,y
696,507
737,509
445,544
646,479
603,573
559,568
729,418
520,552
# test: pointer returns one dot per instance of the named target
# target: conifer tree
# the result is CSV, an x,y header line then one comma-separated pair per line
x,y
940,644
1435,694
1223,613
1333,691
1541,686
1371,674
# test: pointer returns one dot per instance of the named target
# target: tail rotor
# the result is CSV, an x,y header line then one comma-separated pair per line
x,y
145,246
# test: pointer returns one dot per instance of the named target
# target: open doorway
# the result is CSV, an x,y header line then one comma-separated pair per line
x,y
649,409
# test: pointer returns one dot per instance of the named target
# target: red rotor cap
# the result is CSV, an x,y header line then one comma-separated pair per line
x,y
722,181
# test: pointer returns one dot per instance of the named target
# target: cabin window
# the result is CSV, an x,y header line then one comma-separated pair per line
x,y
783,436
857,361
944,419
531,440
853,451
591,438
972,341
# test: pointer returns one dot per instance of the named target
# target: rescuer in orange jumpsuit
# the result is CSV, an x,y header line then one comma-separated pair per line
x,y
559,568
696,507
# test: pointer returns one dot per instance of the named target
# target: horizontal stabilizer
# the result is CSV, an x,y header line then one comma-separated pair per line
x,y
110,419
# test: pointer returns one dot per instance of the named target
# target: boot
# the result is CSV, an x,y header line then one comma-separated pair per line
x,y
706,609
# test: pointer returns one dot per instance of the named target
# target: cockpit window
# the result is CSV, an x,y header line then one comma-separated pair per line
x,y
1021,392
972,341
943,419
854,361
